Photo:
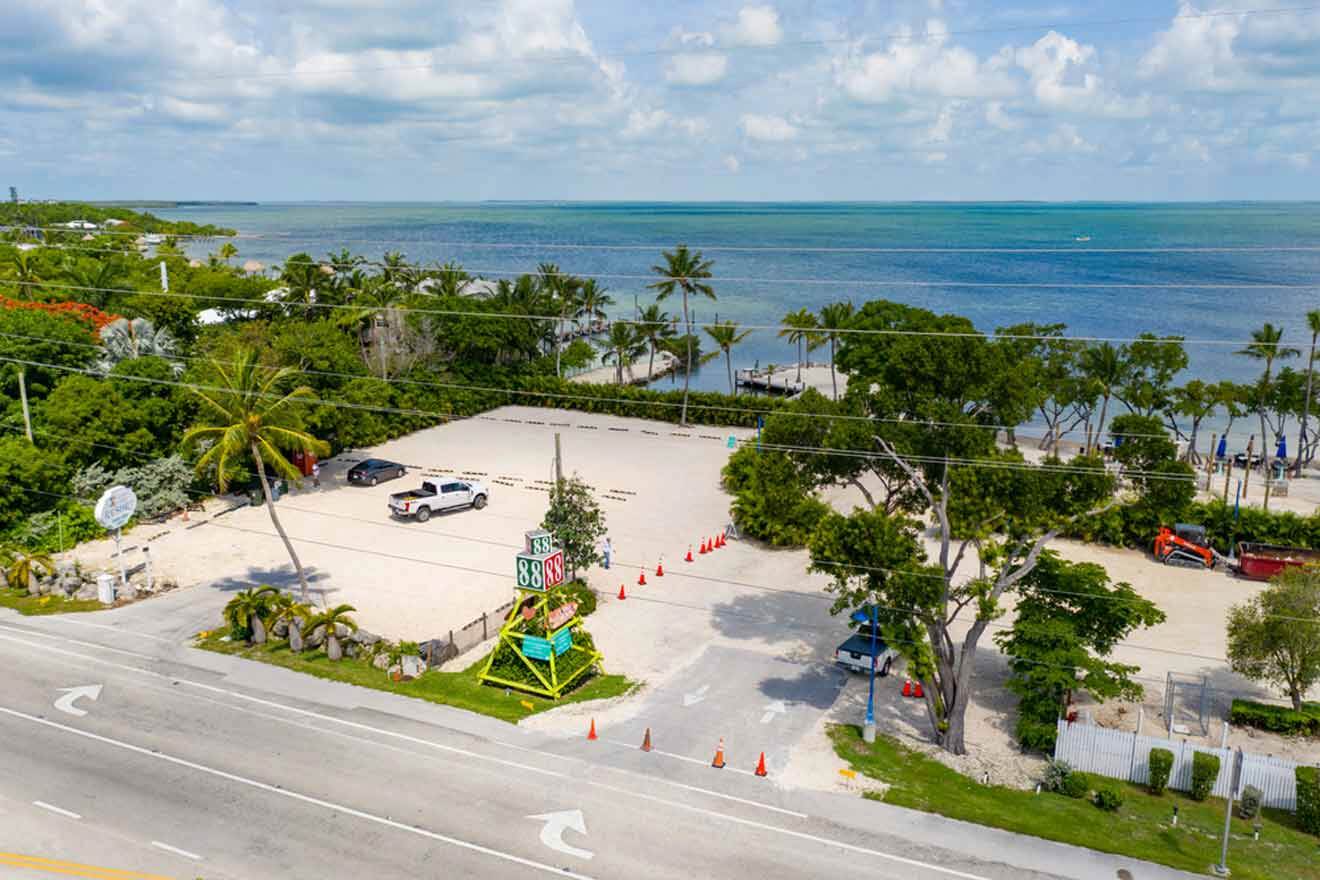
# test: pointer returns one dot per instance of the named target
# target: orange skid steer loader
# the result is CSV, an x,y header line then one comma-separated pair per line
x,y
1185,545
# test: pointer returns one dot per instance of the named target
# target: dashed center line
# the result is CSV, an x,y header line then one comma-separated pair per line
x,y
174,849
54,809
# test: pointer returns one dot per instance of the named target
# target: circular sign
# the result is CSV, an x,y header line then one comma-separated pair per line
x,y
115,507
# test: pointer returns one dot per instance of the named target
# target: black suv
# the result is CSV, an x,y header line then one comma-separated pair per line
x,y
375,470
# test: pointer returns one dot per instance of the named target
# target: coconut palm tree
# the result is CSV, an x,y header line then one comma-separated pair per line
x,y
1266,345
93,280
248,611
247,414
592,303
801,329
561,292
369,309
1107,367
654,326
330,620
623,345
303,282
450,279
725,335
22,567
1313,322
834,318
289,611
685,271
124,340
228,251
25,271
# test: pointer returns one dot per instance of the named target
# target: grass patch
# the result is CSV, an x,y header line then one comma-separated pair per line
x,y
458,689
1140,829
23,603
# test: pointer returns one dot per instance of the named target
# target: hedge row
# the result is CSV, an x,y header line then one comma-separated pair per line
x,y
1277,719
1308,798
1135,524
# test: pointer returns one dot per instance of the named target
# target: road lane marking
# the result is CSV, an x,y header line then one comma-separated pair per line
x,y
552,832
296,796
174,849
696,696
55,809
72,869
72,695
775,708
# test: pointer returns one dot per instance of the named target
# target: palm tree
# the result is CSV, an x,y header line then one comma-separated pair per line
x,y
247,415
801,328
248,610
330,620
562,292
22,566
624,345
302,279
653,325
592,302
835,318
1107,367
1313,322
228,251
725,335
686,271
1266,346
92,280
123,340
450,279
370,306
289,611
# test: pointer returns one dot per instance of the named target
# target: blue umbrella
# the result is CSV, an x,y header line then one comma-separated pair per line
x,y
1282,451
1223,447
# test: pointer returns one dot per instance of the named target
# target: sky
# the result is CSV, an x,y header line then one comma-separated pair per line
x,y
678,100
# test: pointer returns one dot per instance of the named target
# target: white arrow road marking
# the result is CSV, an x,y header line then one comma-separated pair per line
x,y
696,696
552,832
71,695
775,708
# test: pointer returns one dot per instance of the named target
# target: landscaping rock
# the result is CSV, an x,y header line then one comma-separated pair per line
x,y
316,639
352,649
362,637
381,661
341,631
280,629
295,636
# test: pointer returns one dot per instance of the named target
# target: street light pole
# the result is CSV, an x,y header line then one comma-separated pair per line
x,y
868,729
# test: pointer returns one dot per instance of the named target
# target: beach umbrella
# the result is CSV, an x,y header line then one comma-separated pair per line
x,y
1223,447
1282,451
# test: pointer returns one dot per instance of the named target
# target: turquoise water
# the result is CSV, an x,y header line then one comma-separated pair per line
x,y
788,256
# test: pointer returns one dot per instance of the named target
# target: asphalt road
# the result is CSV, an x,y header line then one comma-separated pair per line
x,y
187,764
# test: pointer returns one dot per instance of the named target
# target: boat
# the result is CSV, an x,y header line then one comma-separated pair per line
x,y
1082,238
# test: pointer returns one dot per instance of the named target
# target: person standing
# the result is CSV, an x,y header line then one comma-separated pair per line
x,y
316,474
606,551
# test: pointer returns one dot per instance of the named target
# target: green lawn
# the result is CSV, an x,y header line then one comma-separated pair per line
x,y
460,689
1140,829
23,603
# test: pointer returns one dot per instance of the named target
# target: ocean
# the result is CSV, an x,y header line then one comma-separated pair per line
x,y
997,264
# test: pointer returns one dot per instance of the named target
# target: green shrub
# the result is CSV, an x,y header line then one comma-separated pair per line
x,y
772,501
1077,784
1161,765
1035,735
1308,799
1055,774
1277,719
1205,770
1249,805
1134,524
1109,797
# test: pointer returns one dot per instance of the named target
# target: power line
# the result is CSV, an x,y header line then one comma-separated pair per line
x,y
248,304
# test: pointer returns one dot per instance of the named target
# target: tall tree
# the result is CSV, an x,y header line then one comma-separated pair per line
x,y
1106,366
801,329
1152,362
562,292
834,319
1266,346
577,523
26,272
1304,442
623,345
655,327
248,414
1275,637
1195,401
592,302
725,335
684,271
123,340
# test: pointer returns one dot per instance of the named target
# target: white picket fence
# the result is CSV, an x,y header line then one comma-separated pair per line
x,y
1123,755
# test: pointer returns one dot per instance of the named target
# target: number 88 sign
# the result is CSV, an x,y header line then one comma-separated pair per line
x,y
540,571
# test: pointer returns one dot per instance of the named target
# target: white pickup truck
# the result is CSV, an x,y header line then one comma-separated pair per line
x,y
438,496
855,654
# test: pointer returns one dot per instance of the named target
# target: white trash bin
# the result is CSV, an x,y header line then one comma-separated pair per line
x,y
105,588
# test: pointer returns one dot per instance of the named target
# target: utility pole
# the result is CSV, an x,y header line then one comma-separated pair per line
x,y
1221,869
164,277
559,464
22,392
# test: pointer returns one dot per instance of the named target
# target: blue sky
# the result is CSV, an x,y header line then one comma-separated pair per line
x,y
589,99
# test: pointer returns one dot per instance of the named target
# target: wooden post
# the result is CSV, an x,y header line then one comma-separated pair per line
x,y
1246,477
1268,474
1228,474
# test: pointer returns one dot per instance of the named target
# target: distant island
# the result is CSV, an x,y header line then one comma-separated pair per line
x,y
150,203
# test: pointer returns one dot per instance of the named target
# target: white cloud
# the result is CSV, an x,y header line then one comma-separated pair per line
x,y
696,68
757,26
916,68
768,127
1060,79
1065,138
732,164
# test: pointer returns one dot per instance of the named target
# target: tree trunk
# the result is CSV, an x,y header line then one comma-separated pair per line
x,y
559,332
1306,410
258,629
728,363
1100,428
834,378
333,650
22,392
275,520
650,365
295,635
687,372
799,375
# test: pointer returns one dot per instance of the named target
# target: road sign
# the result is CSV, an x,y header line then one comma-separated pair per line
x,y
562,640
115,507
540,571
536,648
538,542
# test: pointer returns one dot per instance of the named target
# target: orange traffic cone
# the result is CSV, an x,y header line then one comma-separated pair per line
x,y
718,763
760,765
688,558
713,545
704,548
907,688
660,569
622,594
646,741
719,540
641,578
591,734
917,691
723,541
